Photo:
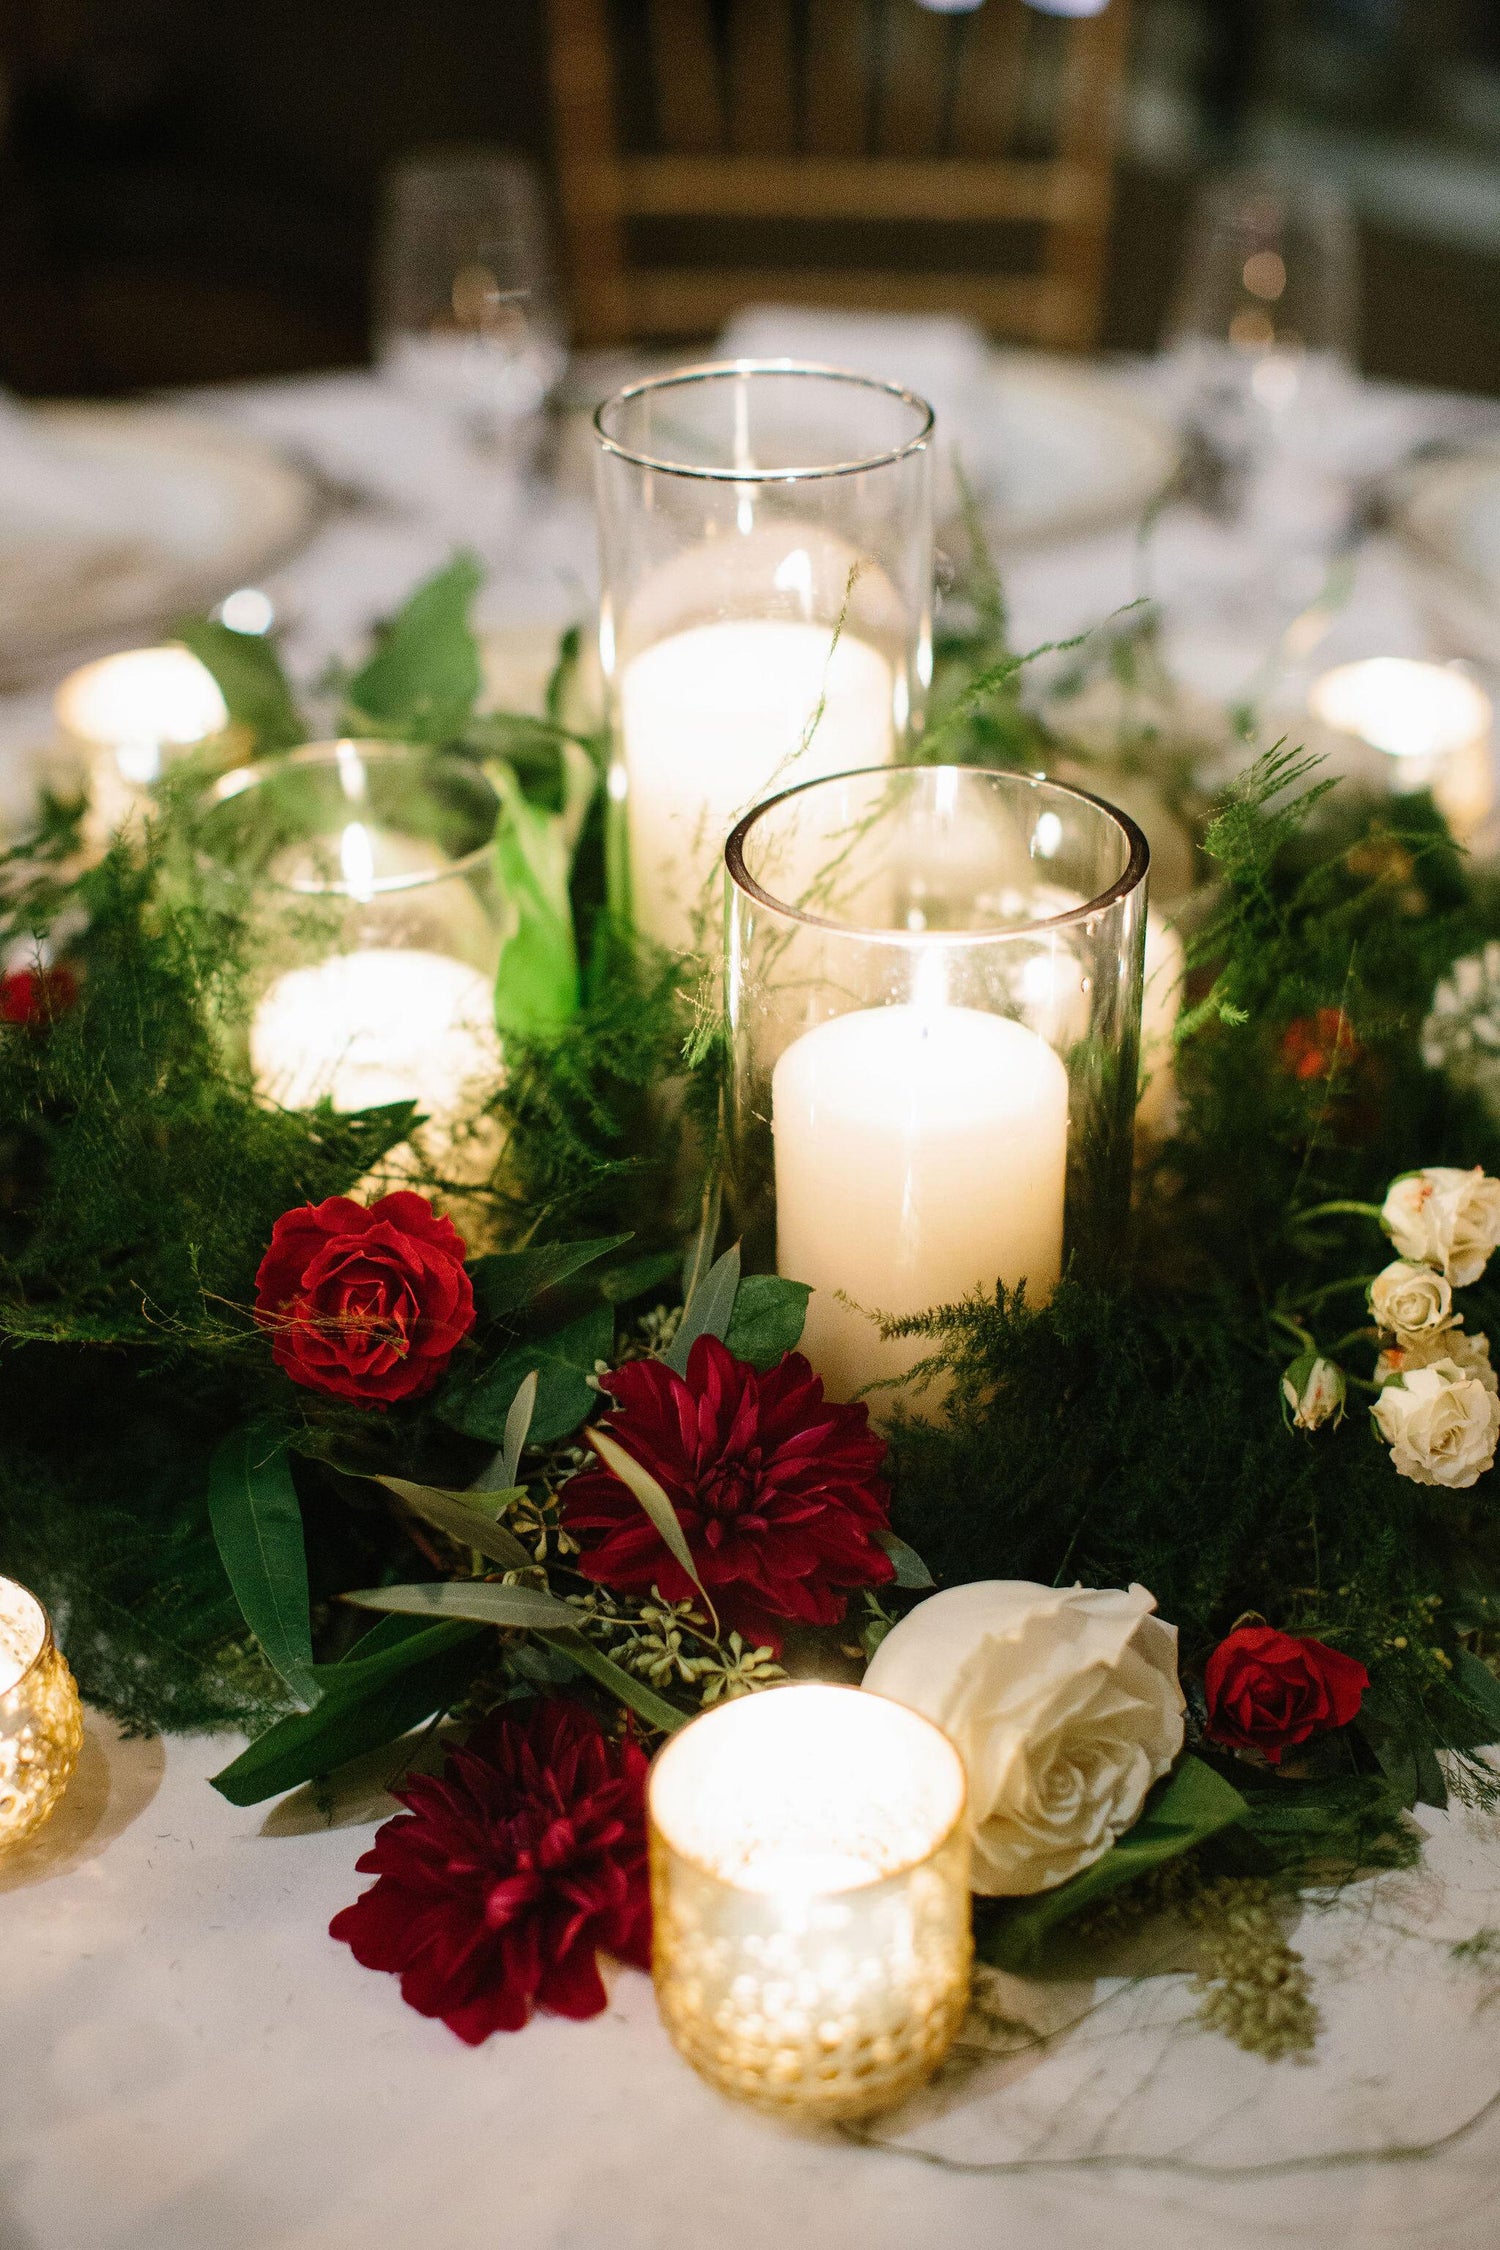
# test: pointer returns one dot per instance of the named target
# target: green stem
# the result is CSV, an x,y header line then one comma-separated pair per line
x,y
1332,1288
1295,1328
1332,1210
1355,1336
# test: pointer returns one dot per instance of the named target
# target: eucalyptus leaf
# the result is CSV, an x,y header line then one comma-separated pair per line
x,y
700,1252
425,676
461,1515
911,1571
652,1498
768,1318
513,1608
393,1679
507,1280
623,1685
564,1397
255,689
517,1427
637,1275
257,1524
1190,1805
708,1310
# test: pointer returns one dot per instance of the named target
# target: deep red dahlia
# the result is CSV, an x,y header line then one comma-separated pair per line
x,y
35,998
778,1492
499,1882
368,1303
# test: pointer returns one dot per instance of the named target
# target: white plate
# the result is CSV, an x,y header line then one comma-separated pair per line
x,y
1448,516
1057,449
179,512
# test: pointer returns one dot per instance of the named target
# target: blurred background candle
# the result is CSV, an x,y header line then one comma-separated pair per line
x,y
41,1718
1419,726
810,1890
766,548
933,987
130,715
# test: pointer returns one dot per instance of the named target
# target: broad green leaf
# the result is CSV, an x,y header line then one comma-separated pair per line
x,y
1187,1808
652,1498
252,1505
768,1318
563,1397
375,1696
507,1280
636,1276
424,678
623,1685
517,1428
1329,1826
536,988
462,1516
708,1310
911,1571
516,1609
251,681
1479,1686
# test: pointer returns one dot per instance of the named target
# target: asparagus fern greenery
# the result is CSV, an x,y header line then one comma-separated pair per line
x,y
193,1520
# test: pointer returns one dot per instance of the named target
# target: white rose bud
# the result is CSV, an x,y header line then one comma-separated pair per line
x,y
1411,1302
1314,1390
1470,1354
1064,1705
1445,1217
1440,1424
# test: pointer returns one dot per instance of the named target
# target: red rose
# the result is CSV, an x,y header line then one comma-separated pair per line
x,y
367,1304
499,1881
778,1492
1268,1691
36,997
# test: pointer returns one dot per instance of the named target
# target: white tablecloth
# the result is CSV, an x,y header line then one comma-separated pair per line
x,y
190,2063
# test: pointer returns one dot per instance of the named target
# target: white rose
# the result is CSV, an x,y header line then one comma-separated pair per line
x,y
1410,1301
1314,1390
1440,1424
1064,1705
1446,1217
1470,1354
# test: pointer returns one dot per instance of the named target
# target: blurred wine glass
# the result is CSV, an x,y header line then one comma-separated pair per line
x,y
1261,344
465,305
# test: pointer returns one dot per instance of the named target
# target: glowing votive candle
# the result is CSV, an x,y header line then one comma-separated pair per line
x,y
714,719
1431,722
920,1153
128,713
384,1025
810,1890
41,1718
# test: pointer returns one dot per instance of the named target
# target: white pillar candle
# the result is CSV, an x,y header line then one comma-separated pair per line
x,y
384,1025
717,717
1431,722
920,1153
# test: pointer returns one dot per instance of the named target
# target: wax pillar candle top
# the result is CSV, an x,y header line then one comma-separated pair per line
x,y
140,704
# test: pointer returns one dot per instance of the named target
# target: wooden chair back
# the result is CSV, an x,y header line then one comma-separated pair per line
x,y
733,121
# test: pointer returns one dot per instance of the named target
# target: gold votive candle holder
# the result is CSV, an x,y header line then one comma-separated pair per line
x,y
810,1890
41,1718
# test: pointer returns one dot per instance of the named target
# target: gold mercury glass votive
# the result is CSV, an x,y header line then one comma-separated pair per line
x,y
41,1718
810,1889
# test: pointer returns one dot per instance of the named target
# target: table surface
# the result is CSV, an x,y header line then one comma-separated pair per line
x,y
191,2064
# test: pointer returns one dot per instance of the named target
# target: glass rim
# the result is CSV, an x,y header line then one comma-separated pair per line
x,y
1136,867
241,780
48,1640
709,371
939,1843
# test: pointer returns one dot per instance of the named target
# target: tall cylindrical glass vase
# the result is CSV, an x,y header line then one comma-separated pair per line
x,y
934,1001
765,612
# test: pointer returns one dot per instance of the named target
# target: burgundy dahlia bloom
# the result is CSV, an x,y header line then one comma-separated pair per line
x,y
778,1491
500,1880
